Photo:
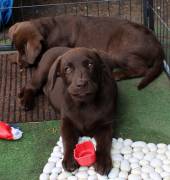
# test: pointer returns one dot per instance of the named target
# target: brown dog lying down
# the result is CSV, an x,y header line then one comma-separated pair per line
x,y
133,47
80,87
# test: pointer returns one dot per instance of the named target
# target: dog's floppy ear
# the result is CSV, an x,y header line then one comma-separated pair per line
x,y
33,49
12,31
96,55
54,73
104,66
24,33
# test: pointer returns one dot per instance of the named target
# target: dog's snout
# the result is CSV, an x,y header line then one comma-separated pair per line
x,y
82,83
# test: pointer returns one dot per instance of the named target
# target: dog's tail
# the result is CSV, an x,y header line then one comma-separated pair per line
x,y
152,73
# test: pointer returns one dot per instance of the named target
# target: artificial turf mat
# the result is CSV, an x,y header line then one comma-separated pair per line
x,y
142,115
25,158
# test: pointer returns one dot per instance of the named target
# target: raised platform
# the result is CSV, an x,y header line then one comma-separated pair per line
x,y
11,82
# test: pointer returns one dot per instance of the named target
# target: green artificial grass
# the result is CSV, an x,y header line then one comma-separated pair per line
x,y
142,115
24,159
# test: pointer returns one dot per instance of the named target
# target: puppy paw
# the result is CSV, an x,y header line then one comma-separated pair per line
x,y
103,164
70,164
26,97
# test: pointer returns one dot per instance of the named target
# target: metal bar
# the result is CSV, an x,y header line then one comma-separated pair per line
x,y
156,19
98,13
22,12
141,13
151,14
53,4
148,14
130,9
167,35
65,9
119,8
108,8
145,12
160,29
87,9
76,9
163,32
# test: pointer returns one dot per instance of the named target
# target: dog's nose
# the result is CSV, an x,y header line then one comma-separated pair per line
x,y
82,83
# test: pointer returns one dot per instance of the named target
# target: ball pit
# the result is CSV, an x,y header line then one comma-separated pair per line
x,y
131,161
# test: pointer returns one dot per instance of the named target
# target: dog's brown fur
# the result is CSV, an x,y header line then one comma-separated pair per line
x,y
132,47
80,87
39,77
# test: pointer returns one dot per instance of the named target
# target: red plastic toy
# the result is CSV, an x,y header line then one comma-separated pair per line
x,y
9,133
84,153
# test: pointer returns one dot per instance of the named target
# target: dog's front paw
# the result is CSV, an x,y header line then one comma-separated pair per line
x,y
103,164
70,164
26,97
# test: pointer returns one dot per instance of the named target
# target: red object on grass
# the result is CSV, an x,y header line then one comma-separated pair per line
x,y
8,132
5,131
84,153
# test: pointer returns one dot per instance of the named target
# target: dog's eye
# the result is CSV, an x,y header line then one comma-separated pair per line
x,y
90,65
68,70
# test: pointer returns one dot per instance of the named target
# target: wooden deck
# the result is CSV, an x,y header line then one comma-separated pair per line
x,y
11,82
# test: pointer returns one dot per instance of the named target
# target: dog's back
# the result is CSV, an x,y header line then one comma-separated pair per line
x,y
133,47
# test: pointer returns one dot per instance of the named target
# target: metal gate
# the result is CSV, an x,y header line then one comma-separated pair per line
x,y
152,13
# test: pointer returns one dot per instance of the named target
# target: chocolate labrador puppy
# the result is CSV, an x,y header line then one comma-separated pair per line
x,y
133,48
34,86
80,87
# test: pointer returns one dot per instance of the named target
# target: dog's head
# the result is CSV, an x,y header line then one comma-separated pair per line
x,y
28,42
81,70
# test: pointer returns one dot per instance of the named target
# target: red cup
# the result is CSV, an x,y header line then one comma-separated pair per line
x,y
84,153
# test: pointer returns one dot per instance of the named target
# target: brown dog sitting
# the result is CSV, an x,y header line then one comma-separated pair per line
x,y
134,48
80,87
